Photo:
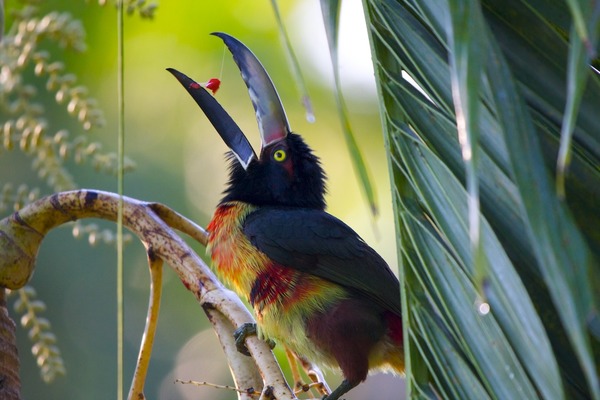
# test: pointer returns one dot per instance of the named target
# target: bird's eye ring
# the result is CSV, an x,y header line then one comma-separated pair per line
x,y
279,155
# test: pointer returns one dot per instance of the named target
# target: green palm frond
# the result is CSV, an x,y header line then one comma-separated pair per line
x,y
331,13
507,79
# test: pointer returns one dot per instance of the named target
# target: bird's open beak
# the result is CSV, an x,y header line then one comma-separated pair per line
x,y
270,115
230,132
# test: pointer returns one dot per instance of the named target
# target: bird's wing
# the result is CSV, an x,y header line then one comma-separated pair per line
x,y
316,242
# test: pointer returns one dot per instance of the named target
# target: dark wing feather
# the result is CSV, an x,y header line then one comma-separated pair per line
x,y
316,242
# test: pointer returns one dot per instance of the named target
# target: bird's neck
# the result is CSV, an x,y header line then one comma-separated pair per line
x,y
227,244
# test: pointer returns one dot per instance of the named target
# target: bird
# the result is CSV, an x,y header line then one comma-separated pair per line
x,y
314,284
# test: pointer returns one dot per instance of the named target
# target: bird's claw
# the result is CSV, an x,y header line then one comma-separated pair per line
x,y
240,335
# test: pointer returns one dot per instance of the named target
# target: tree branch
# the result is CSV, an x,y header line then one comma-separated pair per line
x,y
10,384
22,232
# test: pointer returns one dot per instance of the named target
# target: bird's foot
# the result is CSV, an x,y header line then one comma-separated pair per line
x,y
240,335
305,387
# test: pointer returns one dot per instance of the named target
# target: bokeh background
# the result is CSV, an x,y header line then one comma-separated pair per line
x,y
179,162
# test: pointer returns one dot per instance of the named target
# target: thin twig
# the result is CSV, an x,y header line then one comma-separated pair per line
x,y
141,369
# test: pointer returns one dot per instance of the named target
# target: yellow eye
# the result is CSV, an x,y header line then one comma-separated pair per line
x,y
279,155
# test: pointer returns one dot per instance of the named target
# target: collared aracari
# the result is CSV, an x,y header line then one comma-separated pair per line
x,y
314,284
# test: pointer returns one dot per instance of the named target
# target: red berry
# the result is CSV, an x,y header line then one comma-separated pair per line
x,y
213,85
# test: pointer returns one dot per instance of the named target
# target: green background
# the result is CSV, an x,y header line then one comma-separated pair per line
x,y
180,163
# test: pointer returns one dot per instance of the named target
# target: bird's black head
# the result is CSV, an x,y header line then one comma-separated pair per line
x,y
286,174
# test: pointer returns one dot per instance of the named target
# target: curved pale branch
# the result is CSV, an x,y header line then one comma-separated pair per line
x,y
141,369
22,233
